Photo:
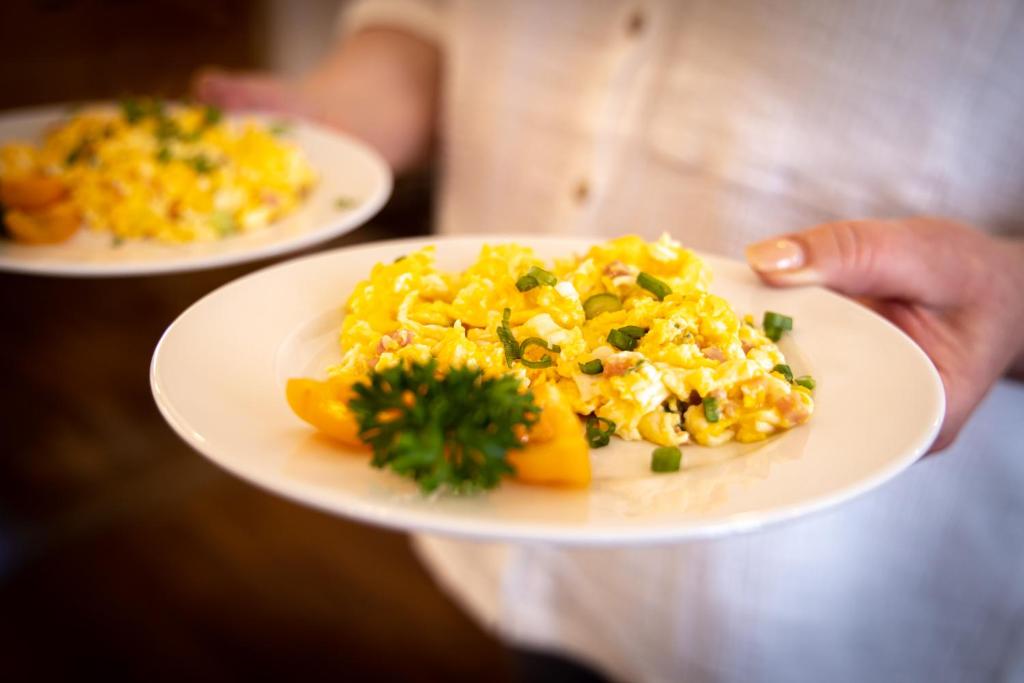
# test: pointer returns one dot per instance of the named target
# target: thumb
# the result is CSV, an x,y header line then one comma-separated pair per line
x,y
910,260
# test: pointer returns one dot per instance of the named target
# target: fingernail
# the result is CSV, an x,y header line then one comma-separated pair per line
x,y
774,256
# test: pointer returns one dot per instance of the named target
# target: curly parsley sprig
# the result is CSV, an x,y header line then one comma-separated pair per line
x,y
452,429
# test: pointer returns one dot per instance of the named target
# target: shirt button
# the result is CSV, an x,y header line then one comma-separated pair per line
x,y
635,23
581,191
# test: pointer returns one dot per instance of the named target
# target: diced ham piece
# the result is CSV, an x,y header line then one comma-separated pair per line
x,y
618,269
394,340
792,409
618,364
713,352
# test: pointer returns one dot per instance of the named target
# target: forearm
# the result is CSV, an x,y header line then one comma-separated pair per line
x,y
1015,250
381,85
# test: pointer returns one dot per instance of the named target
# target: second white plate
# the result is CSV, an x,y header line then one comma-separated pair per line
x,y
218,376
347,169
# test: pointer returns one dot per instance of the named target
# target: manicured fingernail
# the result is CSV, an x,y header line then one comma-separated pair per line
x,y
773,256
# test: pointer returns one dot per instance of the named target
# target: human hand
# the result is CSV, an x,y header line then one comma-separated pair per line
x,y
957,292
379,84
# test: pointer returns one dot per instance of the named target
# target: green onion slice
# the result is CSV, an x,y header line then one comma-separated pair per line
x,y
526,283
806,381
666,459
508,340
601,303
634,331
784,371
775,324
653,285
537,341
598,437
621,340
544,362
592,367
534,278
544,277
212,115
710,408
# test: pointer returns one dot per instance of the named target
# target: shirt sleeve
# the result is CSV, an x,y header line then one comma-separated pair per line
x,y
424,18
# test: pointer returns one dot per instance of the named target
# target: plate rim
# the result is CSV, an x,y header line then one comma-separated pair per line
x,y
352,220
469,528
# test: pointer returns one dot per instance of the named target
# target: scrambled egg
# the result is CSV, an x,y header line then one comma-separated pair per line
x,y
690,349
175,175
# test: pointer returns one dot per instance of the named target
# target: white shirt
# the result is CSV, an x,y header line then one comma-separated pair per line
x,y
723,123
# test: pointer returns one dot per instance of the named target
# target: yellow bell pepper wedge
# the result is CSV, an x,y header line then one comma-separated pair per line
x,y
325,406
556,452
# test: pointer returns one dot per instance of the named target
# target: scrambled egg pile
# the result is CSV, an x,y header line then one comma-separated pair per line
x,y
172,174
682,352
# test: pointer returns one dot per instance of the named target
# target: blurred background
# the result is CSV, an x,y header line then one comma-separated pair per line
x,y
121,550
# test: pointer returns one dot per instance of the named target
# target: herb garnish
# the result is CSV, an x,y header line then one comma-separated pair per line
x,y
449,430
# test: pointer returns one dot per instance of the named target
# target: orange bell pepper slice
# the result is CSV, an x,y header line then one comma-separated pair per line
x,y
31,192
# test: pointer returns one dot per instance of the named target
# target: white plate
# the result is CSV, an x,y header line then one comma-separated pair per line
x,y
218,376
346,168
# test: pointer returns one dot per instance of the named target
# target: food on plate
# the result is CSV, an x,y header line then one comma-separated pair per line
x,y
622,341
149,170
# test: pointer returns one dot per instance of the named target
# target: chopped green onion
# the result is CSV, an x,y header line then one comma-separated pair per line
x,y
537,341
592,367
543,276
78,152
653,285
806,381
621,340
784,371
535,277
212,115
544,362
598,437
601,303
666,459
344,203
224,223
508,340
634,331
278,128
711,409
132,110
526,283
163,155
775,324
167,129
201,164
